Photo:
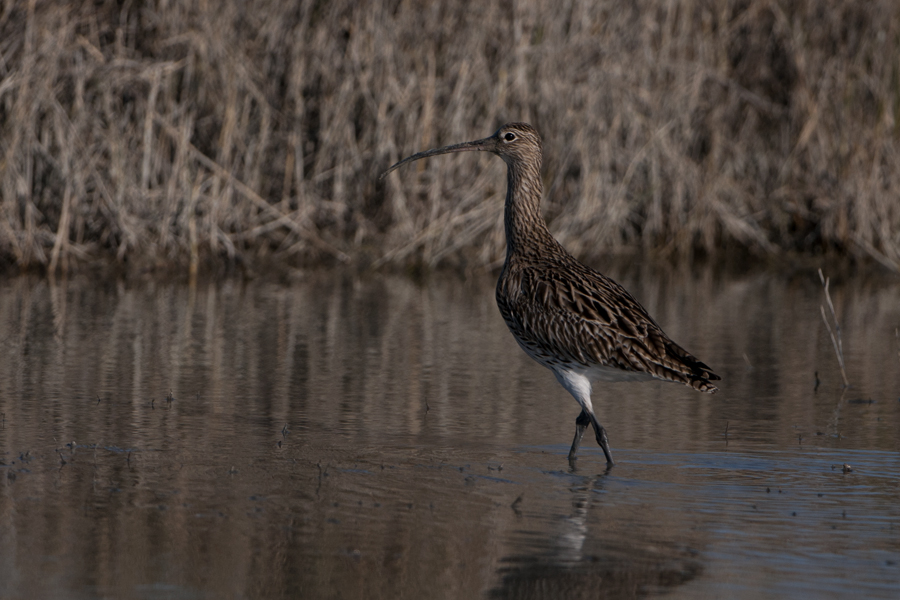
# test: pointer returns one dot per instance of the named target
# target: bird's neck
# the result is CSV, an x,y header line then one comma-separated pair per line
x,y
526,230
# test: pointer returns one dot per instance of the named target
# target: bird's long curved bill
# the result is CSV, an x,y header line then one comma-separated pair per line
x,y
464,147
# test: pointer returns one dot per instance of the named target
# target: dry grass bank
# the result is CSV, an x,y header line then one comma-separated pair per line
x,y
183,133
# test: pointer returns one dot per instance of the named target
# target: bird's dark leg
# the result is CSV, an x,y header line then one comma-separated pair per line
x,y
581,423
601,438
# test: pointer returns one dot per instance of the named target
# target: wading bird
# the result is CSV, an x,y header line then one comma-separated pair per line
x,y
578,323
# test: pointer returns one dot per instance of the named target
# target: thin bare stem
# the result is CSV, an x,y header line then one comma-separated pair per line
x,y
835,339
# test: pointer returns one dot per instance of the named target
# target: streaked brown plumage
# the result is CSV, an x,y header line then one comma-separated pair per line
x,y
580,324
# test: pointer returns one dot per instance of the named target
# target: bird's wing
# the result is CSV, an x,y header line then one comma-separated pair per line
x,y
585,317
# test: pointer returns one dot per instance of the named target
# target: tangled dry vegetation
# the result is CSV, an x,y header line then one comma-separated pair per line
x,y
191,133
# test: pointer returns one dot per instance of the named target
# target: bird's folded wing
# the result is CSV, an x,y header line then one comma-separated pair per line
x,y
589,319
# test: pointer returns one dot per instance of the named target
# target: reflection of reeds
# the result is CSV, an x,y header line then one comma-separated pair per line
x,y
187,135
835,339
897,335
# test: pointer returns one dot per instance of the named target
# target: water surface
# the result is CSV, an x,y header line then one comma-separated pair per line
x,y
373,437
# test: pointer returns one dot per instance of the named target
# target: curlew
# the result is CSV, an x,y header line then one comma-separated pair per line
x,y
578,323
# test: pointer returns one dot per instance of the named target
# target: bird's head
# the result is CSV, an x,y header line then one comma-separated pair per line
x,y
515,143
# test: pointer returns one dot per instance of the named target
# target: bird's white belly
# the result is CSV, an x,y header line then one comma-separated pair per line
x,y
593,373
603,373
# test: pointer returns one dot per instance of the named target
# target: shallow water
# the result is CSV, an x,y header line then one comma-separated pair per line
x,y
345,436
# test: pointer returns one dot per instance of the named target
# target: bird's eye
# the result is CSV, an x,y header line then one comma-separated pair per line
x,y
509,137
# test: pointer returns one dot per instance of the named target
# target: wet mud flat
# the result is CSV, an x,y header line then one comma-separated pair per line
x,y
377,438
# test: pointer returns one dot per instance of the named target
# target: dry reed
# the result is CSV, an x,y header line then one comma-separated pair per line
x,y
835,335
184,133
